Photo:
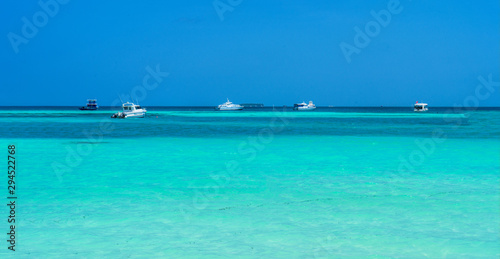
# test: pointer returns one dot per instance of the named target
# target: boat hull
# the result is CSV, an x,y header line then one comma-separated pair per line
x,y
121,115
135,115
305,109
229,109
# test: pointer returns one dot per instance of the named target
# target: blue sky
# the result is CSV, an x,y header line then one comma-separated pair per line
x,y
271,52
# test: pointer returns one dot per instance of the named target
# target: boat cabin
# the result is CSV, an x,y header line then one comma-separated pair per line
x,y
297,105
91,105
420,107
131,107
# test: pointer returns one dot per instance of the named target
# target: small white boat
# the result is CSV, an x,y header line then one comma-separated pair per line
x,y
304,107
229,106
130,110
420,107
91,105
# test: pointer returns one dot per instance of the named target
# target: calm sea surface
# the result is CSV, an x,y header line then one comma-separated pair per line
x,y
188,182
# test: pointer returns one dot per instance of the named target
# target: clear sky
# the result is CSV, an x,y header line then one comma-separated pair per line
x,y
271,52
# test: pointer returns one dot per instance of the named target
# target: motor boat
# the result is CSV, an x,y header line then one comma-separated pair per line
x,y
91,105
420,107
229,106
130,110
304,107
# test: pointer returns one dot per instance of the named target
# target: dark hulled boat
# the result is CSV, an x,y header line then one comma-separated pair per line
x,y
91,105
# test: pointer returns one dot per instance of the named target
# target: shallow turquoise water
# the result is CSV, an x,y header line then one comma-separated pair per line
x,y
256,184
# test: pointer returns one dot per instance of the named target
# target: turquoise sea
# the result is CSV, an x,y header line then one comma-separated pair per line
x,y
191,182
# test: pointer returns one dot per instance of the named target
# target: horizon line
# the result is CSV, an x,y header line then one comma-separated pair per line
x,y
329,106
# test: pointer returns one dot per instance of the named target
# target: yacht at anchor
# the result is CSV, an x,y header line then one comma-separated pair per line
x,y
304,107
229,106
91,105
420,107
130,110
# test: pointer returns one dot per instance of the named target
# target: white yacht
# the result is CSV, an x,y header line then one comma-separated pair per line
x,y
130,110
420,107
304,107
229,106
